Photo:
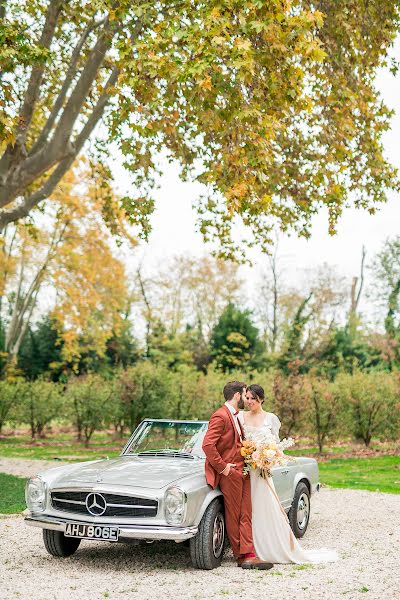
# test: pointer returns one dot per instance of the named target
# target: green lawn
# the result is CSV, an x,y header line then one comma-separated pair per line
x,y
12,494
378,474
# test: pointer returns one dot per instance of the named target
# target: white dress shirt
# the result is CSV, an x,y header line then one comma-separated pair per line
x,y
235,418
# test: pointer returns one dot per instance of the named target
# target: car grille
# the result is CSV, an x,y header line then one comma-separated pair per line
x,y
117,505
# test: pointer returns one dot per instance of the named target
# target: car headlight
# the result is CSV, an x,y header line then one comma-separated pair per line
x,y
35,494
175,505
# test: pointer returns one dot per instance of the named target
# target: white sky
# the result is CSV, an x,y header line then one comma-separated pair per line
x,y
174,221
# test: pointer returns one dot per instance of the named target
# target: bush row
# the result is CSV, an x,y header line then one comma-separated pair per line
x,y
362,405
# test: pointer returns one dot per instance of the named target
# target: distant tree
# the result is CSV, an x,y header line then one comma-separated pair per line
x,y
143,391
11,395
68,257
386,271
372,404
357,286
323,408
198,347
293,346
41,351
346,351
235,342
268,305
186,294
89,403
122,349
289,400
168,349
41,403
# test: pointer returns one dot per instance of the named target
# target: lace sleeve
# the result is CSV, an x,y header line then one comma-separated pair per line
x,y
275,426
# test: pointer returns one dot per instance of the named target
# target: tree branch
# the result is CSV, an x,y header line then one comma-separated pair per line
x,y
3,8
12,152
364,252
42,139
26,205
60,146
82,88
64,153
11,328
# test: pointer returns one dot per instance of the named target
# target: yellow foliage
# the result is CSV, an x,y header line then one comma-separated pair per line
x,y
205,84
71,252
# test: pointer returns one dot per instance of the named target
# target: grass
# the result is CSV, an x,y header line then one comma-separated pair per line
x,y
12,494
378,474
314,450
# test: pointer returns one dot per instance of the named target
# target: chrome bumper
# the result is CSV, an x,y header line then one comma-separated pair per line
x,y
133,532
315,487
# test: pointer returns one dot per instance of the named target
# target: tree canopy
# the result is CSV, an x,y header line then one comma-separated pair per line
x,y
269,103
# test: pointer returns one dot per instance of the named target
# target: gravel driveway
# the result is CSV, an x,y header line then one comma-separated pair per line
x,y
361,526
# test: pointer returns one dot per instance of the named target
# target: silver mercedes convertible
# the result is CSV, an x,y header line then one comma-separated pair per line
x,y
155,490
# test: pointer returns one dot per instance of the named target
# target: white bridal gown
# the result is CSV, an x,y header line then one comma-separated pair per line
x,y
273,538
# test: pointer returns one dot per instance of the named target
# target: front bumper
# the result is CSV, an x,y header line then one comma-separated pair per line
x,y
126,532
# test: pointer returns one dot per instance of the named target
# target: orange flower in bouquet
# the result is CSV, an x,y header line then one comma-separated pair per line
x,y
264,454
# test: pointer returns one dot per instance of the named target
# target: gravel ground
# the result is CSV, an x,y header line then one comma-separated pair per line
x,y
22,467
361,526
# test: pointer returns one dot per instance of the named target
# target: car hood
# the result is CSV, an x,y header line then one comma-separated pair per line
x,y
140,472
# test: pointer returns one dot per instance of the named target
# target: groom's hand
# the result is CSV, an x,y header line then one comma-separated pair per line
x,y
228,468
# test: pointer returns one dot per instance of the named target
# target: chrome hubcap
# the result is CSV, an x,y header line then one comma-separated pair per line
x,y
218,535
303,511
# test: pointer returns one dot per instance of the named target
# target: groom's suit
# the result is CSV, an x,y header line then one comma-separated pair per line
x,y
221,446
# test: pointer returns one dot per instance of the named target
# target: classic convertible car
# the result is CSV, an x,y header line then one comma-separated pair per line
x,y
155,490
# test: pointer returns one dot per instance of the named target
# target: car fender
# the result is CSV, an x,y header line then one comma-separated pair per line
x,y
212,494
300,476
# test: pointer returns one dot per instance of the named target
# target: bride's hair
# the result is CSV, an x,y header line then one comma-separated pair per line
x,y
257,391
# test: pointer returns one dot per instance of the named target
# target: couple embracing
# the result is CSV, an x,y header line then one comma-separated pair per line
x,y
257,526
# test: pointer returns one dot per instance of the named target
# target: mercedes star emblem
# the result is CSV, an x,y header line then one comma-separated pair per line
x,y
96,504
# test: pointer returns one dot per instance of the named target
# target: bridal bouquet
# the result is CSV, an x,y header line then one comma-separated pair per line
x,y
265,453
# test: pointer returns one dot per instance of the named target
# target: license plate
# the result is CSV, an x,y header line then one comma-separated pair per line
x,y
91,532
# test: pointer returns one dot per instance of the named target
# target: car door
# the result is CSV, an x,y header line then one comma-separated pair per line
x,y
283,478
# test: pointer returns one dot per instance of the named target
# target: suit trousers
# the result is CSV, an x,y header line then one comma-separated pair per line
x,y
237,499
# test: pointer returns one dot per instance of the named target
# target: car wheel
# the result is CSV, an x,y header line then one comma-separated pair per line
x,y
207,547
299,513
58,545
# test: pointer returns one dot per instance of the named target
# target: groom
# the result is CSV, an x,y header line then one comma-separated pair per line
x,y
224,467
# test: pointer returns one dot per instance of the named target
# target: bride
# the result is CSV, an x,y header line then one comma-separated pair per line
x,y
273,538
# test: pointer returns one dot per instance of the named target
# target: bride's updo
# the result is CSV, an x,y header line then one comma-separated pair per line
x,y
257,391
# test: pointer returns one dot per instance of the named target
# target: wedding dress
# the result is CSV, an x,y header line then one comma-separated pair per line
x,y
273,538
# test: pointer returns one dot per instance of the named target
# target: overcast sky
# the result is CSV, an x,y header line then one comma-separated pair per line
x,y
174,221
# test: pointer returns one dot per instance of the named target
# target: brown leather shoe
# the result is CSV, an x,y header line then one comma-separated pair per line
x,y
256,563
240,561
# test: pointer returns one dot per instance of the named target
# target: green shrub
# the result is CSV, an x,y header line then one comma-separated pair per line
x,y
289,403
371,404
89,400
39,403
144,391
323,408
10,396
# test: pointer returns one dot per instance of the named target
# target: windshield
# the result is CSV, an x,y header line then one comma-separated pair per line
x,y
168,437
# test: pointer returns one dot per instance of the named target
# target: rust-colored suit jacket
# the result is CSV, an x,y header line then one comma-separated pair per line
x,y
221,445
